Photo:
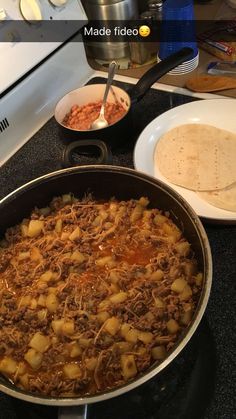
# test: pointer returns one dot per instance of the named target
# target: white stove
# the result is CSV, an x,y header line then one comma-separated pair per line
x,y
34,76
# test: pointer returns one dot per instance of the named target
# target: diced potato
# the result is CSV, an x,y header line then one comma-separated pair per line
x,y
8,365
186,317
34,358
44,211
23,255
25,301
112,325
65,235
125,328
103,316
114,288
103,214
52,290
57,326
145,337
106,260
198,279
52,303
172,231
186,293
68,328
158,352
114,277
66,198
42,300
35,228
35,254
24,230
149,316
72,371
78,257
76,234
178,285
123,347
104,305
91,363
132,336
157,275
159,303
42,286
75,350
58,226
113,207
33,304
46,276
172,326
189,268
119,298
85,343
160,219
142,350
40,342
24,380
137,213
182,248
128,366
42,314
21,369
143,201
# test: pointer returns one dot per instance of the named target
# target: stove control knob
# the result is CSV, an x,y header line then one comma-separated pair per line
x,y
30,10
58,3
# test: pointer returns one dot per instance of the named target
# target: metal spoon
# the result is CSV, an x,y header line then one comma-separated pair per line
x,y
101,122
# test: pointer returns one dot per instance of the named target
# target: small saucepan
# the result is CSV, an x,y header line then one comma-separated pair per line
x,y
113,135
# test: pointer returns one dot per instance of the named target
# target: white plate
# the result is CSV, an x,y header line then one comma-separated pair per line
x,y
217,112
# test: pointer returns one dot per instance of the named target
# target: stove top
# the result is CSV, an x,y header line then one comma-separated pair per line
x,y
185,388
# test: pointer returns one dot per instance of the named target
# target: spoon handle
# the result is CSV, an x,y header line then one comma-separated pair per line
x,y
111,72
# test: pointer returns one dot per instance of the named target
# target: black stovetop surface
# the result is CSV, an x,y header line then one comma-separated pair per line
x,y
200,383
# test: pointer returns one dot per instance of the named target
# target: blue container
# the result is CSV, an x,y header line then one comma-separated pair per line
x,y
177,28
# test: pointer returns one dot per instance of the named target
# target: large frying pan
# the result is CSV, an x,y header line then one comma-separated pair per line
x,y
105,182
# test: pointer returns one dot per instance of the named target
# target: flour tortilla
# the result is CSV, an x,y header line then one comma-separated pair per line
x,y
197,156
223,198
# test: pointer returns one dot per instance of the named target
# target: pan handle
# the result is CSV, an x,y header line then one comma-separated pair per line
x,y
157,71
73,412
105,156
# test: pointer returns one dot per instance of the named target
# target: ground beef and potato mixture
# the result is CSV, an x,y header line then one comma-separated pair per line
x,y
91,294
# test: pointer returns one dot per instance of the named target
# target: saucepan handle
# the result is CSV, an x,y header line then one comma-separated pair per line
x,y
80,146
73,412
157,71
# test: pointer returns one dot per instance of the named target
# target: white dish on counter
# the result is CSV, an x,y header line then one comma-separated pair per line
x,y
217,112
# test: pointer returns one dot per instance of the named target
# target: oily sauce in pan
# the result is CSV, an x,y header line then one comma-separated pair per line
x,y
92,293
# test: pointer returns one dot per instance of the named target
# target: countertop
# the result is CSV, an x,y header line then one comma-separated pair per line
x,y
43,154
210,10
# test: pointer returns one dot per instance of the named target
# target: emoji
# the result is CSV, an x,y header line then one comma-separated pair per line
x,y
144,31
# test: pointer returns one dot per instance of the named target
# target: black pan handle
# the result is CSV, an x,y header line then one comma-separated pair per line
x,y
160,69
104,157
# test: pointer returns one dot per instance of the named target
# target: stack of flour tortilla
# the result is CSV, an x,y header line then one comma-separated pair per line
x,y
201,158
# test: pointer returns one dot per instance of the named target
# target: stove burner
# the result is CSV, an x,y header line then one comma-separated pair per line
x,y
182,391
